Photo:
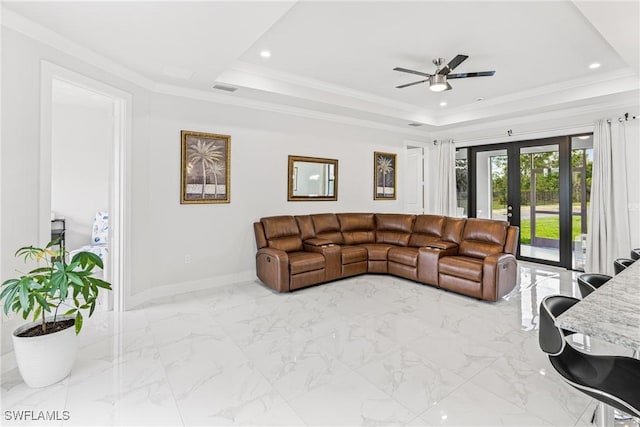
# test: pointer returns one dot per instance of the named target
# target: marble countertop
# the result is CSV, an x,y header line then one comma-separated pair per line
x,y
611,313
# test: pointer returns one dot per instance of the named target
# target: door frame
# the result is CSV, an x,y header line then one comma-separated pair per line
x,y
120,171
513,189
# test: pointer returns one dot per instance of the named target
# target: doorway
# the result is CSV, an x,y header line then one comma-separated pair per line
x,y
62,92
541,186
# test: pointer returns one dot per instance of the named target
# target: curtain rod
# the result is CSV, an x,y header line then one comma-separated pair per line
x,y
509,132
624,118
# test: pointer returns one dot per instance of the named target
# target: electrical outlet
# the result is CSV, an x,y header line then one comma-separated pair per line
x,y
187,259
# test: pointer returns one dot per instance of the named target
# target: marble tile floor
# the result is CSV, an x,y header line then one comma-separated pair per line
x,y
370,350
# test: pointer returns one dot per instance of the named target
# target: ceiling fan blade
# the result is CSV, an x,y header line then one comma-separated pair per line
x,y
459,59
476,74
405,70
411,84
448,87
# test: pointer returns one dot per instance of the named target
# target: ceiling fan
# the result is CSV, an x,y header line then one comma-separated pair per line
x,y
438,81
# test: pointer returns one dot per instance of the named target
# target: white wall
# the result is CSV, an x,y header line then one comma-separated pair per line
x,y
219,238
82,137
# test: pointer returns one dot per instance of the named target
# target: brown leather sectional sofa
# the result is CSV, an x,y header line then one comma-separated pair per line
x,y
475,257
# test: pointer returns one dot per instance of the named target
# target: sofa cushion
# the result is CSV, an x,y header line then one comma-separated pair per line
x,y
282,233
453,229
357,228
301,262
280,226
377,251
405,256
461,266
485,230
394,229
306,226
287,244
427,230
327,227
351,254
482,237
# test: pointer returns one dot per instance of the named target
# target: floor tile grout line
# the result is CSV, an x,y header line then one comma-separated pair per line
x,y
166,375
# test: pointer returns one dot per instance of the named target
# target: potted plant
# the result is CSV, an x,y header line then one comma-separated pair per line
x,y
56,293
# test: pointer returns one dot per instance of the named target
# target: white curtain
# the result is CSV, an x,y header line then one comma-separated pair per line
x,y
445,180
608,224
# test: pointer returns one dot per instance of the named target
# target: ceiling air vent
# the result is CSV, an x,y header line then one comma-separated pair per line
x,y
225,88
415,125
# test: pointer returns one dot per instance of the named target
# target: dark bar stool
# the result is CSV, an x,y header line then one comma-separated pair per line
x,y
612,380
635,254
589,282
622,263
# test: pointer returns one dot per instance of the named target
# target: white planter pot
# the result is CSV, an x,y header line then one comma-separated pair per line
x,y
46,359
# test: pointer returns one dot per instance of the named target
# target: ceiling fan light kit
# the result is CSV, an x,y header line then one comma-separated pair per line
x,y
438,81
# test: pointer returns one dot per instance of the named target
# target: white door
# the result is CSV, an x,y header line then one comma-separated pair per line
x,y
414,194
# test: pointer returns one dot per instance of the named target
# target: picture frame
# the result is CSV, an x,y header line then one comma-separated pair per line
x,y
384,176
312,179
205,168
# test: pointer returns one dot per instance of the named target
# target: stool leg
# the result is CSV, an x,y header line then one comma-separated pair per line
x,y
604,417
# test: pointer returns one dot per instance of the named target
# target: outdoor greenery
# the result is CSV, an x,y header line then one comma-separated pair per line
x,y
548,228
54,285
545,167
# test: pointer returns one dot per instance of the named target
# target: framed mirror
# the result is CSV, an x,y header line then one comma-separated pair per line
x,y
312,178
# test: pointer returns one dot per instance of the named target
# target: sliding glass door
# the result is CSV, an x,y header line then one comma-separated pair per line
x,y
540,186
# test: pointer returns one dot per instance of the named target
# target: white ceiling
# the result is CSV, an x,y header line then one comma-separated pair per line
x,y
337,57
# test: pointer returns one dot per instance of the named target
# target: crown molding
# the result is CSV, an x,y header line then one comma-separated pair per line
x,y
627,101
33,30
22,25
323,86
286,84
165,89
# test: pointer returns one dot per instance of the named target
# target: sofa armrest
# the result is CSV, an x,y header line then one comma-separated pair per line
x,y
499,276
442,245
428,259
332,258
272,267
318,242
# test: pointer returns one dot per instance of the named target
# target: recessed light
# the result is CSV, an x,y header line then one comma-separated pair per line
x,y
594,65
443,104
265,54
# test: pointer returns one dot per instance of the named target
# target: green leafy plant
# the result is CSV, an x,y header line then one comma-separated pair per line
x,y
55,285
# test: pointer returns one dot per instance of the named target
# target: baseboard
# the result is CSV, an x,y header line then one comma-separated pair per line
x,y
148,295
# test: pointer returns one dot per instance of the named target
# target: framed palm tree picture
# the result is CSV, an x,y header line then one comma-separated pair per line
x,y
384,176
205,168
